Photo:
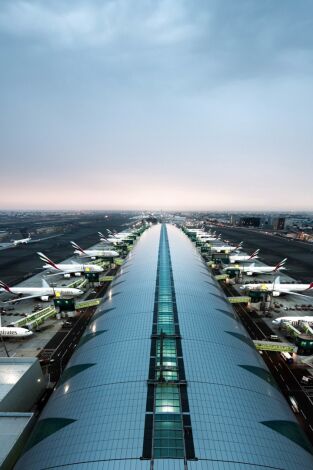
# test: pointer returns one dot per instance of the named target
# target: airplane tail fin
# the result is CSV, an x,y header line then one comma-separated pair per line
x,y
310,286
276,282
47,260
77,247
103,237
239,245
112,233
280,265
44,283
254,254
5,286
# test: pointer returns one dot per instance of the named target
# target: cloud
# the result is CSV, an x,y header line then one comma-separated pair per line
x,y
92,23
219,38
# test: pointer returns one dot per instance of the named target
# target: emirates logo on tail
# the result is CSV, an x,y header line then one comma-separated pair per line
x,y
47,260
77,247
280,265
5,286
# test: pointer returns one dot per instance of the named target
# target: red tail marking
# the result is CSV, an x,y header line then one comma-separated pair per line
x,y
48,260
5,286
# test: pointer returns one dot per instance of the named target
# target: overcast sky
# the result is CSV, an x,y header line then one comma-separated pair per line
x,y
192,104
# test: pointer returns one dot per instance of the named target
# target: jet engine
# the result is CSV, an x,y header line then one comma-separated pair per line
x,y
44,298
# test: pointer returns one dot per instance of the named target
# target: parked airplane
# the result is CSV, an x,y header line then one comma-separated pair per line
x,y
22,241
208,237
280,320
94,253
70,268
253,269
110,240
43,293
277,288
14,331
237,257
120,235
211,238
226,248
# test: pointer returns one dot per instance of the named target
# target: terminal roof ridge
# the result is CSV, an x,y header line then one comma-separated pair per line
x,y
251,465
89,336
211,341
105,384
127,340
219,384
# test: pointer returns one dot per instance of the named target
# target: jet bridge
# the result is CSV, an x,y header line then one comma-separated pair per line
x,y
274,346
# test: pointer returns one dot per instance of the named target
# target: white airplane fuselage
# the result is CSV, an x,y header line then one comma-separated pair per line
x,y
251,270
226,248
98,253
44,292
207,238
114,241
74,268
238,258
280,320
14,332
277,288
22,241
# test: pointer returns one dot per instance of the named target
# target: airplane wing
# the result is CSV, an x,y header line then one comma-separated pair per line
x,y
21,298
59,273
82,255
296,293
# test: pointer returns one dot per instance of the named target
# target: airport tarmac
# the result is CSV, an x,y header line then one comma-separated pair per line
x,y
31,346
273,249
21,262
283,305
20,309
51,328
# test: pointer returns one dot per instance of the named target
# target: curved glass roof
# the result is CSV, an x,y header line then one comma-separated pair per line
x,y
95,419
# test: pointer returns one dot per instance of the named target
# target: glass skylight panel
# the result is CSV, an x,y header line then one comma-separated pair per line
x,y
164,437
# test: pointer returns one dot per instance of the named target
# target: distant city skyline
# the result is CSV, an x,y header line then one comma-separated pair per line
x,y
164,104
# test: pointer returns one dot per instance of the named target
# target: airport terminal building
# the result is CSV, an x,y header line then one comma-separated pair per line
x,y
165,377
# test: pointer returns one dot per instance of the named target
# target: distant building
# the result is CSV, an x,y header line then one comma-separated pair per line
x,y
308,237
249,221
279,223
